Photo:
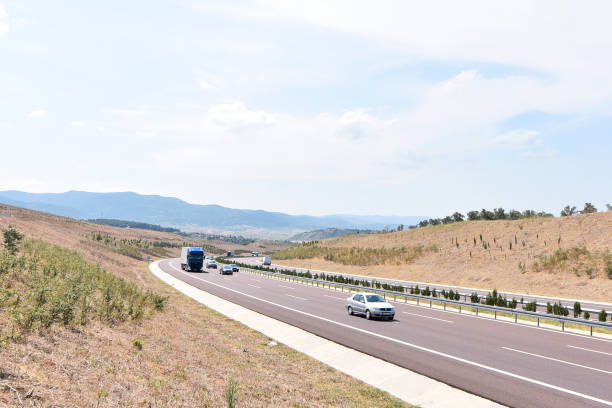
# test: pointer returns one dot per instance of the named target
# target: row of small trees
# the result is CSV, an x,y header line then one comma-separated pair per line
x,y
484,214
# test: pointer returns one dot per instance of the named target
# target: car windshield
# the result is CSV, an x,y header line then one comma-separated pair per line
x,y
375,298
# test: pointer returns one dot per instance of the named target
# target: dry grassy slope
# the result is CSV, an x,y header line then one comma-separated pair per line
x,y
189,351
497,266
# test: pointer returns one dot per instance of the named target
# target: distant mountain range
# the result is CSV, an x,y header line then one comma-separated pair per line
x,y
173,212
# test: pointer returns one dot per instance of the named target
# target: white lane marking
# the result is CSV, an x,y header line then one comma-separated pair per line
x,y
287,287
594,351
297,297
414,346
428,317
559,361
258,287
333,297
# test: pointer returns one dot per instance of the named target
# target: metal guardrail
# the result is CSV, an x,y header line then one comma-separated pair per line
x,y
420,299
439,289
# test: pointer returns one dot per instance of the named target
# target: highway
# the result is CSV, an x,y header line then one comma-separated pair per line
x,y
514,365
595,306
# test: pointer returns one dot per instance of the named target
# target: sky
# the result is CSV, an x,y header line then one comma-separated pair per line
x,y
318,107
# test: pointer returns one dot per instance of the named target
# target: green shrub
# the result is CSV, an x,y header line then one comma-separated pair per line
x,y
603,316
549,308
531,306
474,298
577,309
138,343
587,315
231,394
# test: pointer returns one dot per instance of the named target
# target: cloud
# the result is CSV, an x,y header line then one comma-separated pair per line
x,y
4,27
518,138
78,123
37,114
237,117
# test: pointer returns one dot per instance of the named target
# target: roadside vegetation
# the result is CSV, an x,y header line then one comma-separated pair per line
x,y
42,285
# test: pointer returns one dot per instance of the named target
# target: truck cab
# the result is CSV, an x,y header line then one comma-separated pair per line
x,y
192,259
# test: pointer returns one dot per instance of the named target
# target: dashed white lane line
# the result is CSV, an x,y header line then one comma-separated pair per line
x,y
297,297
255,286
411,345
428,317
559,361
286,287
594,351
333,297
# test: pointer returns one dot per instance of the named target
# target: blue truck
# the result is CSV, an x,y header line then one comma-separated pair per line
x,y
192,259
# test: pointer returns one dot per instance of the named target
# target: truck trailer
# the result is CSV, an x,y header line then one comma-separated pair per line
x,y
192,259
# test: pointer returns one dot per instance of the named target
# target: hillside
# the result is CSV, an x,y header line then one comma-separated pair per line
x,y
114,355
173,212
322,234
565,257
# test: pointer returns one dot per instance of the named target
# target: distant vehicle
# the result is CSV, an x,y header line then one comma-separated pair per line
x,y
211,263
192,259
234,267
230,253
254,253
226,270
210,256
370,305
267,260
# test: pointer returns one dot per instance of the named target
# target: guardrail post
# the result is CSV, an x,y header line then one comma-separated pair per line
x,y
417,301
476,310
538,321
591,330
515,317
562,325
444,305
459,309
495,315
430,303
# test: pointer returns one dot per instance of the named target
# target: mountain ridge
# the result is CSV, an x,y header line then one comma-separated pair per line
x,y
174,212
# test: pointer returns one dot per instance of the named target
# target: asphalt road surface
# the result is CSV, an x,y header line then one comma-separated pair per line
x,y
527,298
515,365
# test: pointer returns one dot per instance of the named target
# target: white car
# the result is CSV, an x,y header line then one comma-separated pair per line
x,y
211,263
371,305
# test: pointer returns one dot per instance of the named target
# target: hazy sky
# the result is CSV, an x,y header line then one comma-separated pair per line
x,y
313,107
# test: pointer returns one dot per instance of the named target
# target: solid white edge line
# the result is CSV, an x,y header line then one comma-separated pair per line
x,y
414,346
255,286
558,361
428,317
593,351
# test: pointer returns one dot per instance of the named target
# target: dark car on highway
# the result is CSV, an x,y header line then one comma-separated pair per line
x,y
226,270
234,267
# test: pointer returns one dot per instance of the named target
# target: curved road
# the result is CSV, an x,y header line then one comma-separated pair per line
x,y
515,365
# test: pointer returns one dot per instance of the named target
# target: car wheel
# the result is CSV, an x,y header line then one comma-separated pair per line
x,y
368,315
350,311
